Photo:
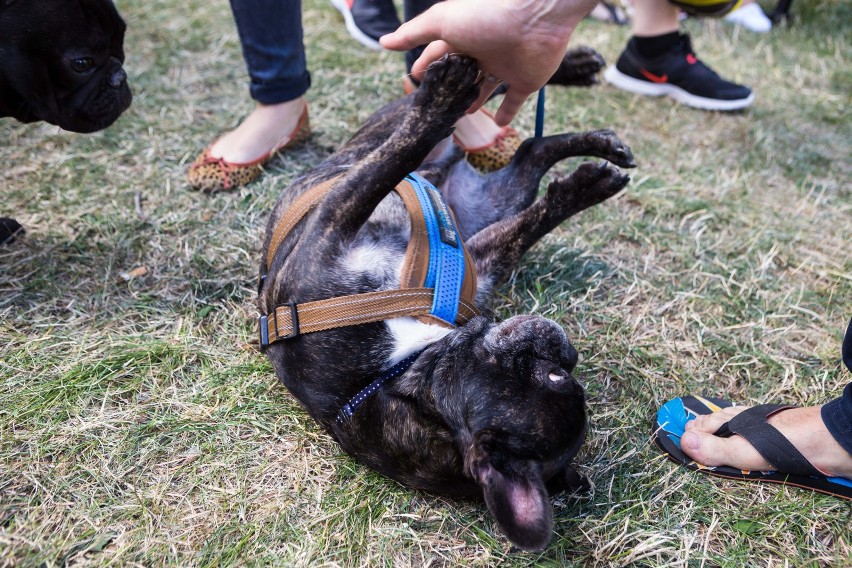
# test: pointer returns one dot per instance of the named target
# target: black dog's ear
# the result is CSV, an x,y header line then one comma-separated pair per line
x,y
516,496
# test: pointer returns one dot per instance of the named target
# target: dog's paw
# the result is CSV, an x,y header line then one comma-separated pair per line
x,y
579,68
451,84
608,145
9,230
588,185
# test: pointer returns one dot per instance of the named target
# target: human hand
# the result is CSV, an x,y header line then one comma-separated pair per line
x,y
519,42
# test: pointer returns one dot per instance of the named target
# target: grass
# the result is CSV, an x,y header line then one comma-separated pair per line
x,y
137,430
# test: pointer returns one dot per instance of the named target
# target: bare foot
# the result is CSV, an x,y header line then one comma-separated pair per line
x,y
261,131
802,426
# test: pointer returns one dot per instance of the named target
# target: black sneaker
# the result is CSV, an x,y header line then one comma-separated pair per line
x,y
678,74
368,20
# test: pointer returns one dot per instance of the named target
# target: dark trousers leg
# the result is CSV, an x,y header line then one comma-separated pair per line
x,y
837,414
271,37
412,8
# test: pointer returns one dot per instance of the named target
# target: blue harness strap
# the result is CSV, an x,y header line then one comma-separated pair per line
x,y
446,257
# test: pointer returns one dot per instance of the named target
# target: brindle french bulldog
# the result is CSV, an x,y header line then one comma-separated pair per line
x,y
487,409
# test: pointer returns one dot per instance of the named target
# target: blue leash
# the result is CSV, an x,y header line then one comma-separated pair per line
x,y
539,114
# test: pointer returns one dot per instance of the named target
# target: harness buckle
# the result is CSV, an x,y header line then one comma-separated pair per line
x,y
263,328
263,323
294,319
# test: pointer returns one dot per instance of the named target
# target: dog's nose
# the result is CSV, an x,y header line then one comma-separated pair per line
x,y
117,78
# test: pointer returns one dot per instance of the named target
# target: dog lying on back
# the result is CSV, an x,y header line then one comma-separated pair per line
x,y
479,408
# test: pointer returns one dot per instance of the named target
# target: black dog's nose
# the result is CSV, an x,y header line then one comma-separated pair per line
x,y
117,78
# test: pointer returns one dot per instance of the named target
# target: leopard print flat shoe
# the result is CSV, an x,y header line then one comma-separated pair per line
x,y
210,175
496,155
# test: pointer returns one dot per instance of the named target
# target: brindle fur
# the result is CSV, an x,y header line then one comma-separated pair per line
x,y
479,413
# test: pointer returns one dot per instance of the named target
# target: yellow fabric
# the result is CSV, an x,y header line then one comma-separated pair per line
x,y
707,8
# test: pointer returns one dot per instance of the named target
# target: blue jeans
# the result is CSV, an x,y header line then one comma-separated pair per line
x,y
837,414
271,37
411,9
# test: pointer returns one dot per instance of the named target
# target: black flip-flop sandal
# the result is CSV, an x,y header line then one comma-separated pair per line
x,y
793,468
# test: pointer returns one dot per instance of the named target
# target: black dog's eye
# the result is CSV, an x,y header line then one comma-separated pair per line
x,y
82,64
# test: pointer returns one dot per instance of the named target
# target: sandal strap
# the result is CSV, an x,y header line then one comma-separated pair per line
x,y
775,448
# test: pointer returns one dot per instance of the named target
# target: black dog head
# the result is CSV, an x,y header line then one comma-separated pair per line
x,y
523,417
61,62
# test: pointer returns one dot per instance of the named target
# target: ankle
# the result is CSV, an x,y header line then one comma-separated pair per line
x,y
806,430
652,46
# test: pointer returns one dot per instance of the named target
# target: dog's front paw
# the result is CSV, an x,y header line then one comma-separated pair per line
x,y
450,85
579,68
9,230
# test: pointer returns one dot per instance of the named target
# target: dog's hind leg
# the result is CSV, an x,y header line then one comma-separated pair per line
x,y
512,189
497,249
537,155
450,86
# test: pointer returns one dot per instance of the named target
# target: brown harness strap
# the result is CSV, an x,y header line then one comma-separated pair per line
x,y
411,299
298,209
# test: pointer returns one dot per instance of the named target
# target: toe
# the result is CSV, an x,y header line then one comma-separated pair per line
x,y
711,450
709,423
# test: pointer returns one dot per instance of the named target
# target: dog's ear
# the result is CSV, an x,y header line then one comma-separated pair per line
x,y
514,493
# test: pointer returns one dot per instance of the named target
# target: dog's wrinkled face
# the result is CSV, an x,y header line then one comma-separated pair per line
x,y
61,62
524,419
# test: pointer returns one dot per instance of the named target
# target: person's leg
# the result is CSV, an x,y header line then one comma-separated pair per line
x,y
271,37
822,434
658,60
654,18
272,42
411,9
837,414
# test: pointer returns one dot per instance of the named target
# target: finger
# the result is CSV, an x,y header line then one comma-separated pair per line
x,y
433,52
421,30
511,105
486,88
